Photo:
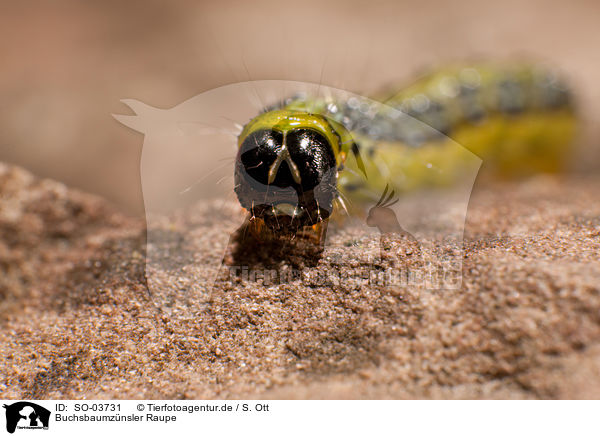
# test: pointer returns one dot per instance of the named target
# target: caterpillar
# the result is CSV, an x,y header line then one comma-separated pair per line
x,y
300,157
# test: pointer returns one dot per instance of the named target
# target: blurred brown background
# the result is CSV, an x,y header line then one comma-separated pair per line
x,y
66,64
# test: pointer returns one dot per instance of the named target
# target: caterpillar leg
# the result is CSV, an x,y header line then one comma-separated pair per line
x,y
255,245
256,230
316,234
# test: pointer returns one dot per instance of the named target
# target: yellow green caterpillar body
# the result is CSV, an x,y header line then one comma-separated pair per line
x,y
298,158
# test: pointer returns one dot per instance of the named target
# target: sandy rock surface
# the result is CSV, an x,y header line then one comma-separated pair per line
x,y
79,321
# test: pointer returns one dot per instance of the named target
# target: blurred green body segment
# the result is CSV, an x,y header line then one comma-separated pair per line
x,y
519,119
